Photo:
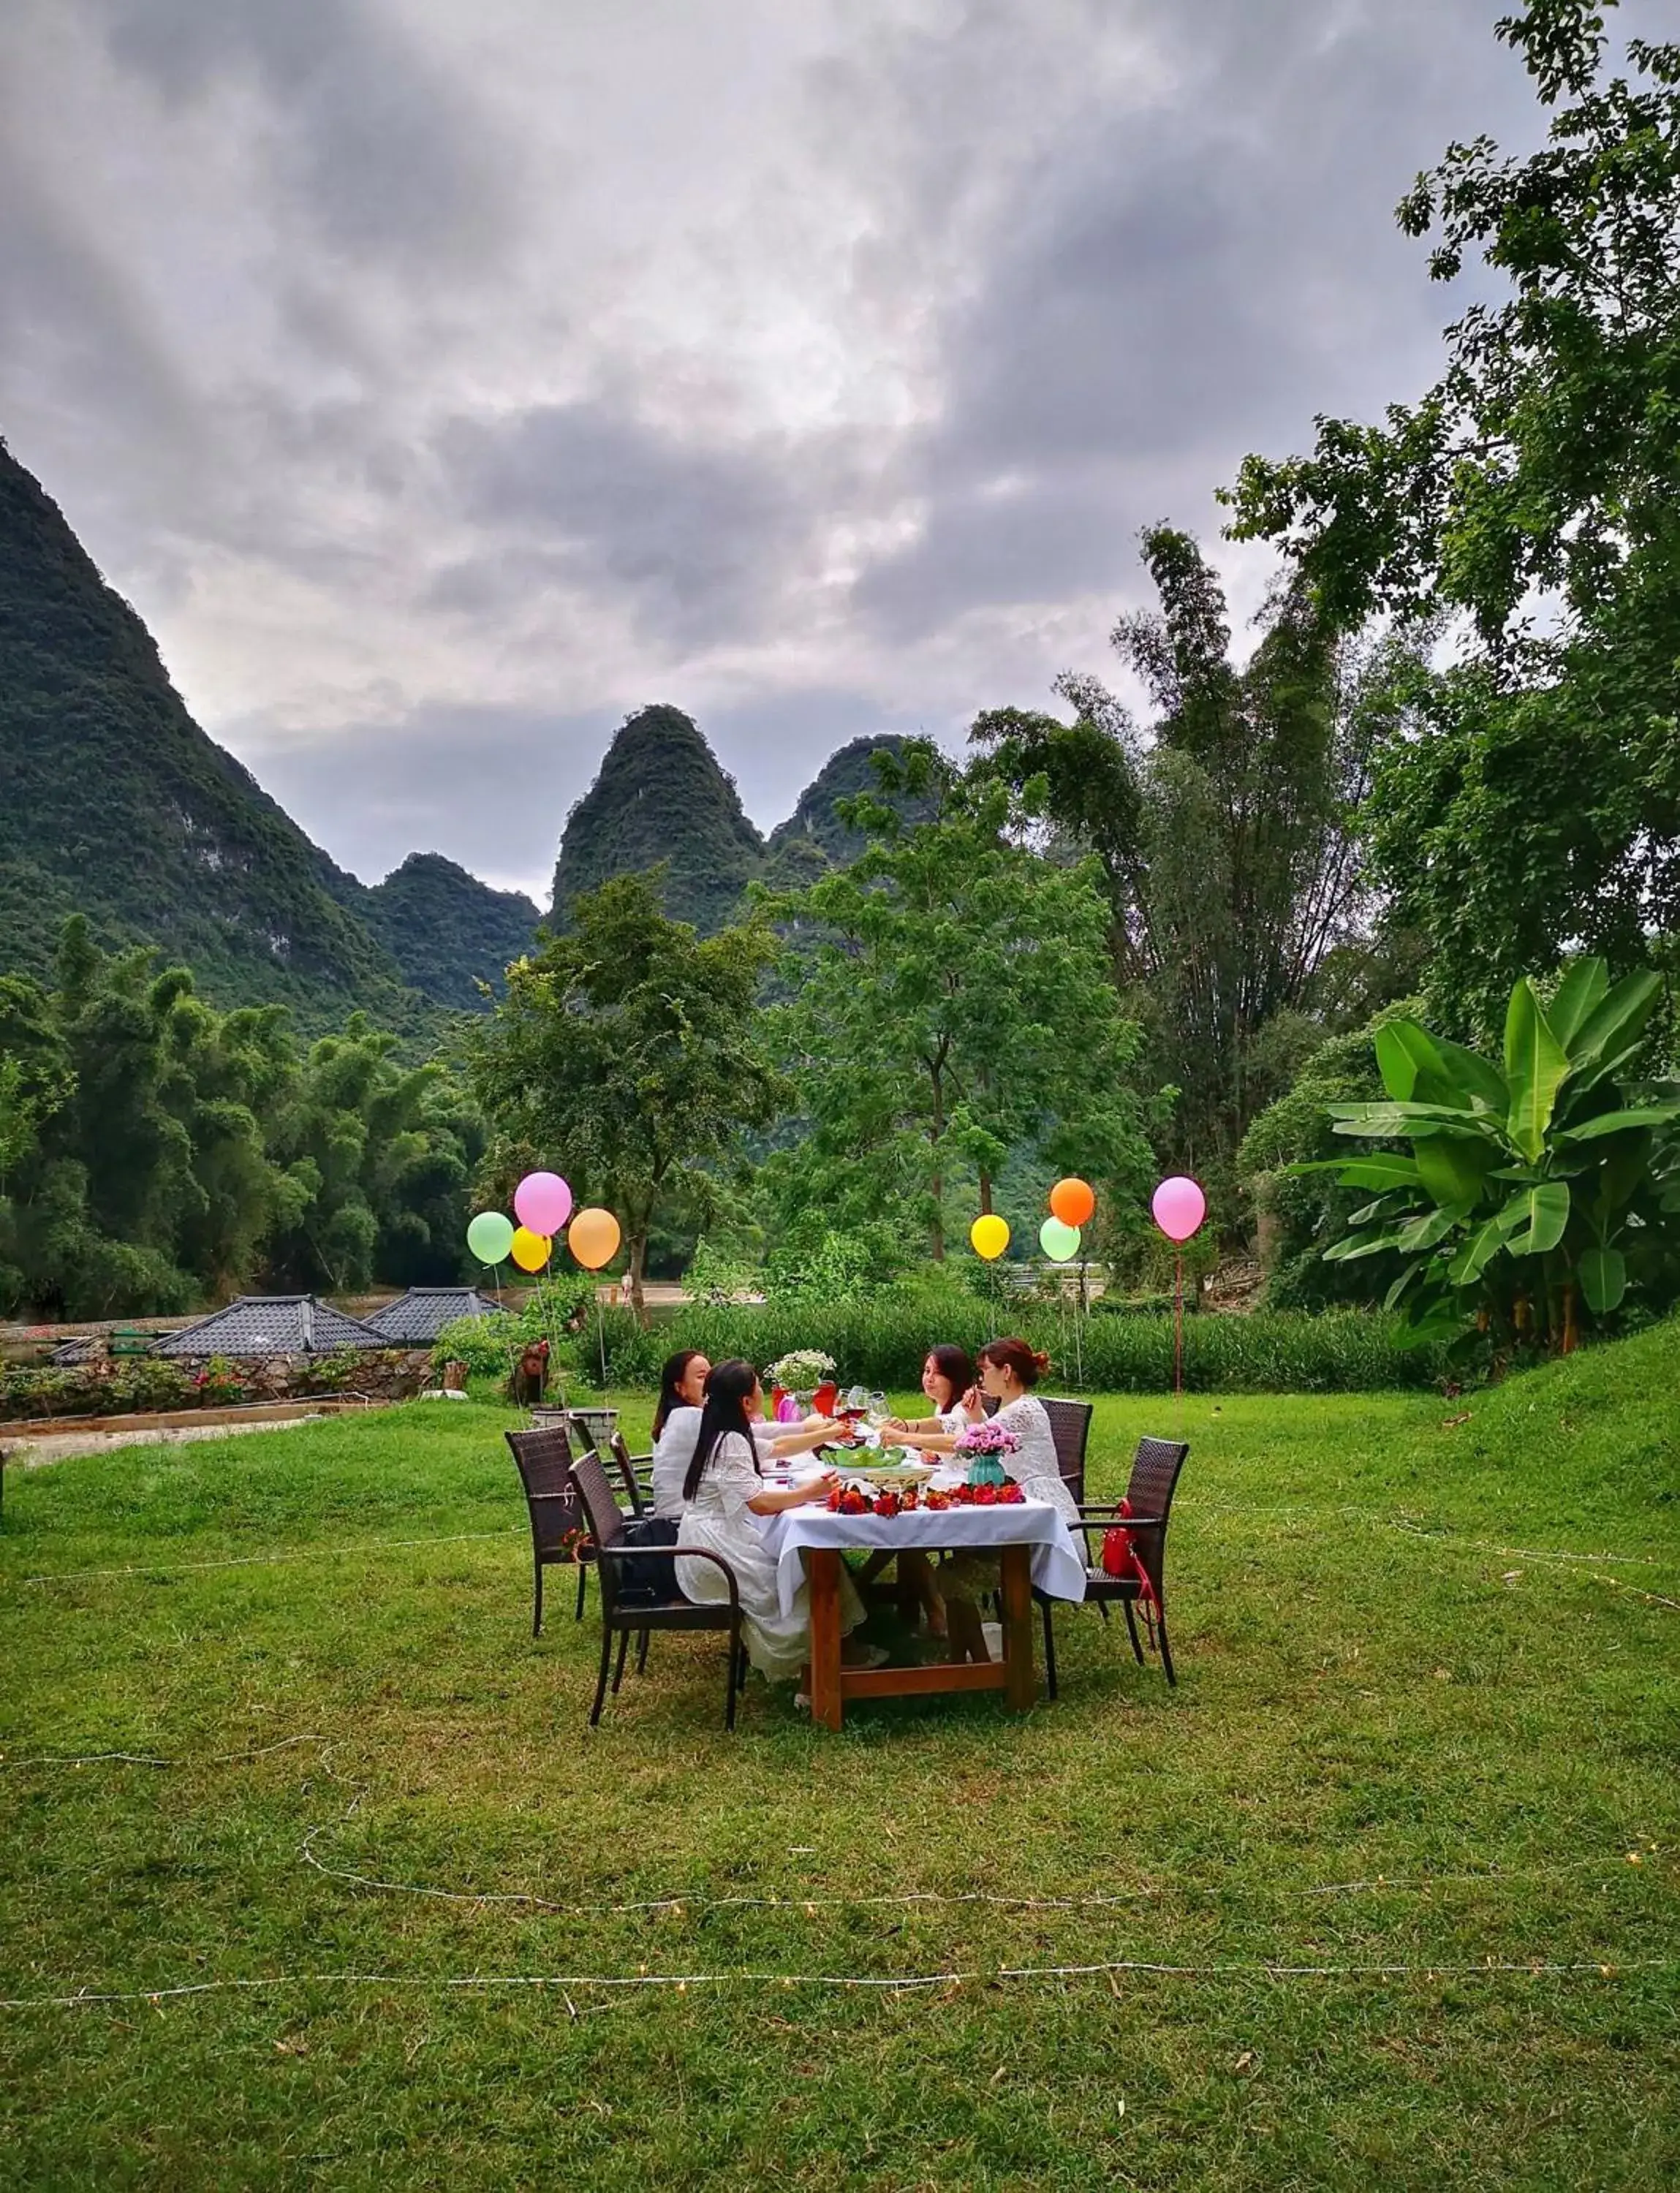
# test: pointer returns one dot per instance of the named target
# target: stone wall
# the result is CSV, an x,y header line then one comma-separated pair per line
x,y
166,1384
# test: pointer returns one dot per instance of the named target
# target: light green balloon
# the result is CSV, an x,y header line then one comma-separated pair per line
x,y
489,1237
1059,1243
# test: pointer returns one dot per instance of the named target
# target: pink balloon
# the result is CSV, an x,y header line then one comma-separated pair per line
x,y
543,1201
1180,1207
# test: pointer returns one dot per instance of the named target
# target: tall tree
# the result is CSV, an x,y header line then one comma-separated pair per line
x,y
1225,833
1529,496
953,1003
625,1053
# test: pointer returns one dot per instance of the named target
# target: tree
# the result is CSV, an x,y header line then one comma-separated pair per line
x,y
154,1151
952,1004
383,1154
1534,1188
1225,835
1534,803
625,1053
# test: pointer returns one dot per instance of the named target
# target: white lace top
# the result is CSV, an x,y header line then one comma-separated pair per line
x,y
1034,1465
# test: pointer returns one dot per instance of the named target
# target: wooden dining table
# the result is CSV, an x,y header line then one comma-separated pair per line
x,y
1031,1540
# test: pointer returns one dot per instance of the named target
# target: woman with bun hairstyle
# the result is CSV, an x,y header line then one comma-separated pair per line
x,y
1009,1370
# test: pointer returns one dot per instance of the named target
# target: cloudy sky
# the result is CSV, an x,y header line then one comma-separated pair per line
x,y
442,379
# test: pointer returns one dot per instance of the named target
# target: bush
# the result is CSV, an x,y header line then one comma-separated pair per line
x,y
117,1389
883,1343
491,1346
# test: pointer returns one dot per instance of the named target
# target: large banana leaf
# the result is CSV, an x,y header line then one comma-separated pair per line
x,y
1535,1067
1482,1246
1380,1170
1359,1245
1545,1213
1430,1227
1579,994
1396,1060
1616,1020
1617,1123
1468,1074
1454,1170
1392,1118
1603,1278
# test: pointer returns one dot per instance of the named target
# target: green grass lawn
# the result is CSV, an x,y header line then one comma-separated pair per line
x,y
1404,1837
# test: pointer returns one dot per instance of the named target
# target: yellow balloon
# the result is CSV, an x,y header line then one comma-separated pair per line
x,y
594,1238
531,1251
989,1236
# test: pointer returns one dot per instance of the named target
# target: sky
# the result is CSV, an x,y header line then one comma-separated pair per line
x,y
443,382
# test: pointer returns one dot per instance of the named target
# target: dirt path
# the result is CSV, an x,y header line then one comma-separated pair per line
x,y
31,1453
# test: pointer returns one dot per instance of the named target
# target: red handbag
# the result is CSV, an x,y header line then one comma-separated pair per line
x,y
1120,1558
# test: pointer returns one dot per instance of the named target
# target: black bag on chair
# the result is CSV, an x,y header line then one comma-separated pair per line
x,y
649,1576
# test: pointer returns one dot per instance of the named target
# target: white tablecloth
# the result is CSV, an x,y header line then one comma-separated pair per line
x,y
1058,1567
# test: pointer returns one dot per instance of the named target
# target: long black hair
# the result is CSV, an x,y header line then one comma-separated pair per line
x,y
670,1386
954,1366
728,1389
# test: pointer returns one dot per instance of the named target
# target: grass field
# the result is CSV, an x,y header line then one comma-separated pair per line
x,y
1401,1849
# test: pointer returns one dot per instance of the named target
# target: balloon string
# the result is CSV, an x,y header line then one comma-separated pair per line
x,y
1178,1337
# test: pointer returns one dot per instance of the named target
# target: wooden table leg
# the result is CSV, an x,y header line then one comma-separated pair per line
x,y
823,1573
1020,1688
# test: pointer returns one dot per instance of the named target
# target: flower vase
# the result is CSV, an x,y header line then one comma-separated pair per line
x,y
987,1469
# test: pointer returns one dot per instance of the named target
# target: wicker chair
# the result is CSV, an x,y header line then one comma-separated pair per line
x,y
1070,1429
1155,1479
627,1610
637,1472
543,1459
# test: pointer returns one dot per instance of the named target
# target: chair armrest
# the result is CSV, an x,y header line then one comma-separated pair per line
x,y
1121,1522
700,1554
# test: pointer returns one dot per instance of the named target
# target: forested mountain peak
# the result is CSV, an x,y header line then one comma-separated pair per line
x,y
448,931
660,795
113,801
843,776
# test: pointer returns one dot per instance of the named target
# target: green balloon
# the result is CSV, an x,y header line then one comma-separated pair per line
x,y
1059,1243
489,1237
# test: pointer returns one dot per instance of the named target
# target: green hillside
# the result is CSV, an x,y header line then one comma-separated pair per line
x,y
660,795
446,930
112,800
814,821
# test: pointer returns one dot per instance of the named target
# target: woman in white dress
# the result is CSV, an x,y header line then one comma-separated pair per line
x,y
676,1426
947,1380
724,1493
1009,1370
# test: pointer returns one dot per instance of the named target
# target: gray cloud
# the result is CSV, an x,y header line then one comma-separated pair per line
x,y
441,383
382,149
696,535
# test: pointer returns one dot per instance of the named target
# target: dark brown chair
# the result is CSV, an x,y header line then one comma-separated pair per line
x,y
628,1610
543,1459
1154,1478
637,1472
1070,1429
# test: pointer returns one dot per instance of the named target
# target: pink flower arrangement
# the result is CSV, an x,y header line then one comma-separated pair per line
x,y
987,1438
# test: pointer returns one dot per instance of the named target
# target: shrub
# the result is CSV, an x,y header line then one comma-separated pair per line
x,y
882,1344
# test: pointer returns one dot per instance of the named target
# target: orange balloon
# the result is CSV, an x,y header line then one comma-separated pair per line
x,y
594,1238
1073,1200
531,1251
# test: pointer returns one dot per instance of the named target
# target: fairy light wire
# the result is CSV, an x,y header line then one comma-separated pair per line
x,y
899,1983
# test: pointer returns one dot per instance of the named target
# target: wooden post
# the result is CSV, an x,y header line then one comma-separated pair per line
x,y
823,1573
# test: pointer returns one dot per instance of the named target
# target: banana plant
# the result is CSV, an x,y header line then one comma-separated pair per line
x,y
1534,1189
